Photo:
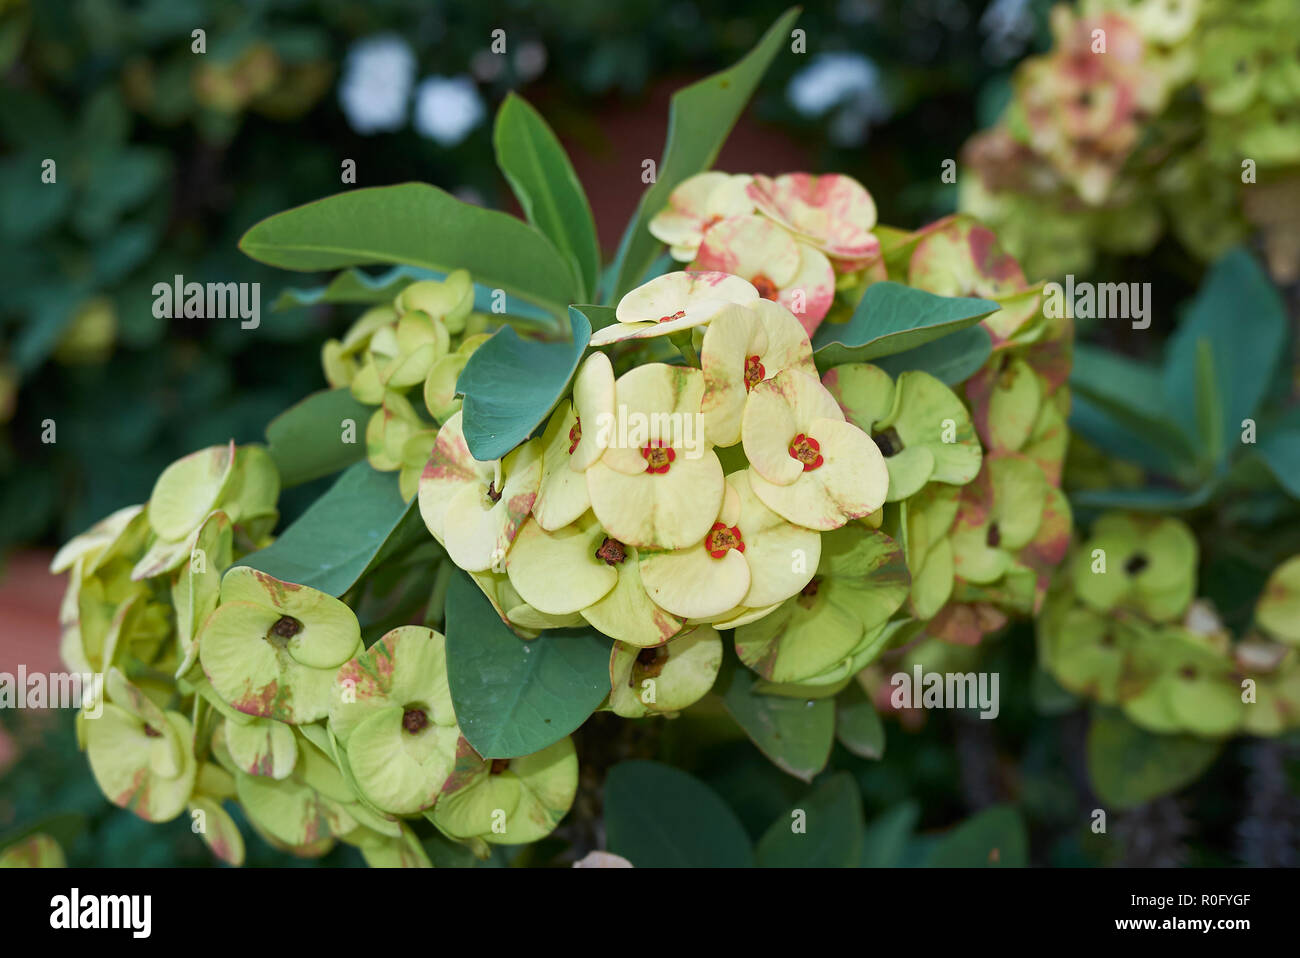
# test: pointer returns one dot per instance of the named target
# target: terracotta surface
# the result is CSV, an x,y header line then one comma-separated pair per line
x,y
29,613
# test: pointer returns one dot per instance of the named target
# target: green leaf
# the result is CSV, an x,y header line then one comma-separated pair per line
x,y
994,838
1280,450
417,225
1130,766
1131,393
357,524
888,835
832,829
952,359
515,696
306,440
1144,499
892,318
795,734
1242,318
542,178
857,723
700,117
1111,436
511,385
657,816
1209,405
598,316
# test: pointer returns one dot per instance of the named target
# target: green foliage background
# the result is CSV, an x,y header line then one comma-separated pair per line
x,y
152,186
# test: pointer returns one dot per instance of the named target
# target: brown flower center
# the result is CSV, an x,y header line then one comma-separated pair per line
x,y
575,435
649,663
723,538
658,456
754,372
994,537
1136,563
888,442
499,765
807,450
766,288
493,492
286,627
611,551
808,594
152,732
414,720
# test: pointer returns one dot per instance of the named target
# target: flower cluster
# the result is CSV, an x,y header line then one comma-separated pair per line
x,y
1147,115
1125,628
788,236
706,486
224,683
424,338
623,516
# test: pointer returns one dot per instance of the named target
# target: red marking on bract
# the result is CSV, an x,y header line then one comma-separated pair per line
x,y
575,435
722,538
754,372
675,316
765,286
658,456
807,450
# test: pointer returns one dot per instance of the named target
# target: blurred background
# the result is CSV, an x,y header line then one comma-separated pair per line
x,y
165,157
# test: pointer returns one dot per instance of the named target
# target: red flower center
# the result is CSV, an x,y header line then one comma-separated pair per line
x,y
721,538
807,450
575,435
712,221
677,315
766,288
754,372
658,456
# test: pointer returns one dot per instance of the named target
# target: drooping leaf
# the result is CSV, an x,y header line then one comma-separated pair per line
x,y
1279,447
700,117
1129,766
993,838
511,385
543,180
892,318
952,359
857,723
417,225
359,522
657,816
828,833
307,439
1239,314
515,696
1130,392
796,734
